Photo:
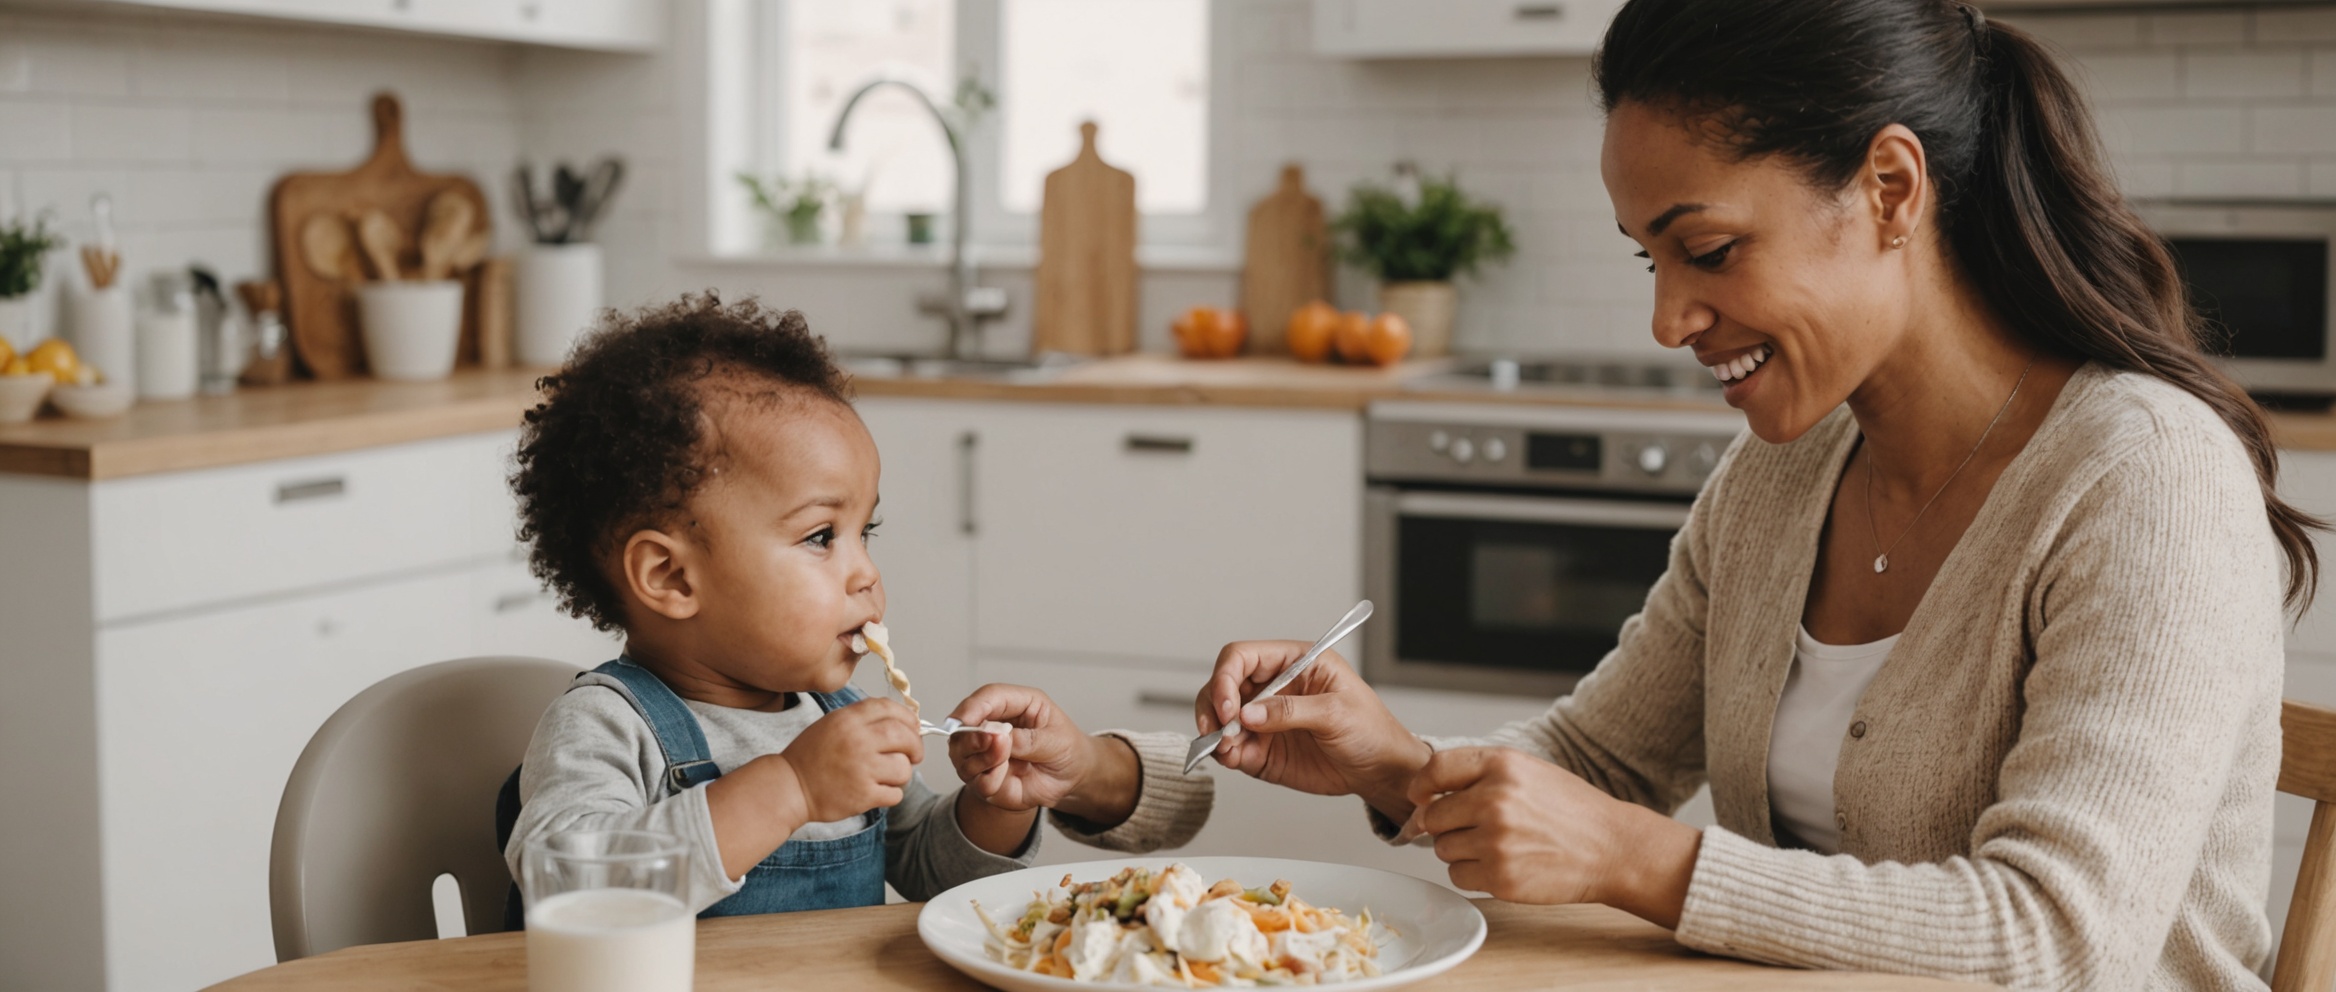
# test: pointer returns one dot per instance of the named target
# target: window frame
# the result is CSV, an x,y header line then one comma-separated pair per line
x,y
746,58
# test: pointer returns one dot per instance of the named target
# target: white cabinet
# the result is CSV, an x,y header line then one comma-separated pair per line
x,y
178,639
1459,28
606,25
1161,532
925,554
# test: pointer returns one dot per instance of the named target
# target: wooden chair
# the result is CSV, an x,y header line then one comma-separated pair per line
x,y
2307,767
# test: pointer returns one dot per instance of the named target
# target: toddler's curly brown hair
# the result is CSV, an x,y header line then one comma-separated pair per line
x,y
619,441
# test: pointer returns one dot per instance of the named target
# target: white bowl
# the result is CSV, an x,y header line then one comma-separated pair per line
x,y
94,402
1433,928
411,328
21,396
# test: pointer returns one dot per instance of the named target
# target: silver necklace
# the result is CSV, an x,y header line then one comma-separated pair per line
x,y
1882,559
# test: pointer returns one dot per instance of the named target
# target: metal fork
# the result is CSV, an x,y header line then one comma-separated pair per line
x,y
1202,745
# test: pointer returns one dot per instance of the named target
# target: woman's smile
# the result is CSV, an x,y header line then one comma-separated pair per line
x,y
1739,370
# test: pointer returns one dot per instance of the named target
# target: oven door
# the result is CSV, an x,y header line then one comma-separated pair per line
x,y
1505,592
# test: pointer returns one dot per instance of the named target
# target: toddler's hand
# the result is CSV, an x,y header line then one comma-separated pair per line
x,y
1035,766
855,759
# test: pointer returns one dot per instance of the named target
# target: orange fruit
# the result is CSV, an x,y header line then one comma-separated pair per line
x,y
1388,340
1354,330
1311,330
16,366
56,358
1210,332
7,352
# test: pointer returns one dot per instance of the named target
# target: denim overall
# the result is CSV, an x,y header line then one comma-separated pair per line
x,y
802,874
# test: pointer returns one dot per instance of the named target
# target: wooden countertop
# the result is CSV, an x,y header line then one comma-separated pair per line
x,y
316,418
1536,948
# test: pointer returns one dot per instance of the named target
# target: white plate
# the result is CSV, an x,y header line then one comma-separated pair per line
x,y
1435,929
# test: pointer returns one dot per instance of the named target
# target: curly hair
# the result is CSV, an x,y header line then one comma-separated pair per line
x,y
619,440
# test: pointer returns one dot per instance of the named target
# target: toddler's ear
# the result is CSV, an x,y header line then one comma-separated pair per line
x,y
655,568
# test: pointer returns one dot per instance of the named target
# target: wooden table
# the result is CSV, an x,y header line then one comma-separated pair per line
x,y
865,950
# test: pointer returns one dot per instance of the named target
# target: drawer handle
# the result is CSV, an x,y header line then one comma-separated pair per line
x,y
1165,700
1159,444
1539,11
511,601
293,492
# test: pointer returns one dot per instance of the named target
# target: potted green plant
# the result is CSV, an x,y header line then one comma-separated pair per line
x,y
792,205
24,245
1414,236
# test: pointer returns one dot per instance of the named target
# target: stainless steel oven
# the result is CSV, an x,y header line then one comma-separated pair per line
x,y
1506,545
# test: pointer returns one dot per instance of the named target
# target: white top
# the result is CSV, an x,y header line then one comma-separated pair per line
x,y
1812,719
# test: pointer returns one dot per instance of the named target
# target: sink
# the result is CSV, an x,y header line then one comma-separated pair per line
x,y
1042,368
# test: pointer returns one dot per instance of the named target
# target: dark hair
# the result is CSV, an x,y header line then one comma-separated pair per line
x,y
2029,210
618,442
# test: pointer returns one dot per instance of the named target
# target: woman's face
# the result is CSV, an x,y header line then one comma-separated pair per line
x,y
1789,294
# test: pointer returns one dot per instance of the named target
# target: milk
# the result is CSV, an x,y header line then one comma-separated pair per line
x,y
610,940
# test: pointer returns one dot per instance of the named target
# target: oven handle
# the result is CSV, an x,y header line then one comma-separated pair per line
x,y
1542,510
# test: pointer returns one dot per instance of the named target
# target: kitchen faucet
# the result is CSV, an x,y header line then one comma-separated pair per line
x,y
966,305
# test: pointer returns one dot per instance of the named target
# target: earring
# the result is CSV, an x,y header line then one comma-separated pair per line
x,y
1898,242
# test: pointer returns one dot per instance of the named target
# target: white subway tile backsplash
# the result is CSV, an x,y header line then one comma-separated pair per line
x,y
2257,73
2136,78
75,63
2081,32
2239,179
2172,129
2276,26
2195,27
207,67
104,132
2282,130
35,132
15,68
2145,179
2323,73
2320,179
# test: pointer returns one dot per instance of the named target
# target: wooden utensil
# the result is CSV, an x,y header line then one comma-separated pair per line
x,y
381,244
321,309
1086,282
102,265
446,231
329,249
1287,264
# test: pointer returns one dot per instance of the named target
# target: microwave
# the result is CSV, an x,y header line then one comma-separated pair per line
x,y
2262,274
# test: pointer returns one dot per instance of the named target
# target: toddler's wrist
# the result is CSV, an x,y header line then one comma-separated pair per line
x,y
789,797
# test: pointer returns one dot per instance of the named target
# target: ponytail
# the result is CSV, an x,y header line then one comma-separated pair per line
x,y
2028,205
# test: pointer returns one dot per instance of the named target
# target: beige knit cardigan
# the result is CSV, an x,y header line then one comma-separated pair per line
x,y
2067,766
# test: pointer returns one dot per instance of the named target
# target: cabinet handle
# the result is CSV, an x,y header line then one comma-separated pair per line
x,y
965,445
510,601
1158,444
293,492
1164,700
1539,11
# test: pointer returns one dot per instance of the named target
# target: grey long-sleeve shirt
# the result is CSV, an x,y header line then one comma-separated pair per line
x,y
594,764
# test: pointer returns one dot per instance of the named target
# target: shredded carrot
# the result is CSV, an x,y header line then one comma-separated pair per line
x,y
1206,972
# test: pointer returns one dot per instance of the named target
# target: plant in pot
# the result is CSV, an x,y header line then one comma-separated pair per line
x,y
1414,236
793,205
24,246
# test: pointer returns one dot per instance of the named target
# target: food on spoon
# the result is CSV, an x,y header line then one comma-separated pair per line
x,y
873,637
1142,927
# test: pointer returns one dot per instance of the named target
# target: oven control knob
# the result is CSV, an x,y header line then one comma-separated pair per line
x,y
1438,441
1705,458
1495,449
1653,458
1462,450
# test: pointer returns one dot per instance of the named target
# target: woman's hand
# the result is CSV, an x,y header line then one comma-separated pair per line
x,y
1046,763
1325,733
1528,831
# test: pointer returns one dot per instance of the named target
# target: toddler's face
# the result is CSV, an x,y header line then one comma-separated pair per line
x,y
782,532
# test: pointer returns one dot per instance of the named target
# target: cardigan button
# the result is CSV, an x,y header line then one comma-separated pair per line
x,y
1841,819
1857,729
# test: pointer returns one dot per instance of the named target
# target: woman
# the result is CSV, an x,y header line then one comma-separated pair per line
x,y
2042,505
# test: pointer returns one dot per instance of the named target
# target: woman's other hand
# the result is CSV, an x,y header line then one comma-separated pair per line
x,y
1046,762
1325,733
1527,831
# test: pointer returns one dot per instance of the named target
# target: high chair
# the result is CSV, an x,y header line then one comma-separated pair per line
x,y
2307,767
396,789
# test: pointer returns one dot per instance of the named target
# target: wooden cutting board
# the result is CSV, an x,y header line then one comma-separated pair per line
x,y
319,310
1287,263
1086,280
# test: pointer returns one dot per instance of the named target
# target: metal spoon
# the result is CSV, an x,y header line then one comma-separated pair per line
x,y
1206,743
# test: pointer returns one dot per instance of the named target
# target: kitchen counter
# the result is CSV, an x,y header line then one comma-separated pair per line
x,y
315,418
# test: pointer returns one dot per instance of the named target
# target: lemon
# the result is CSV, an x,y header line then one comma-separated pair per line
x,y
56,358
7,353
16,366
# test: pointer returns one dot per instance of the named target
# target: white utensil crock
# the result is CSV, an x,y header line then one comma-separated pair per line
x,y
16,322
166,355
557,295
99,326
411,328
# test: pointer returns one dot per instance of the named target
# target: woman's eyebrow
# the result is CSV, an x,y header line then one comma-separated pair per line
x,y
1677,211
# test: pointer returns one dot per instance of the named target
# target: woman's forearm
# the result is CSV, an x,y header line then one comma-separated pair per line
x,y
1652,869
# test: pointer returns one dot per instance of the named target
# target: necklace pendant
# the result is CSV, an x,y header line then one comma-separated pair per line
x,y
1881,563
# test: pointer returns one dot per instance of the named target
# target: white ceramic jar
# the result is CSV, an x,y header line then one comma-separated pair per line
x,y
557,295
411,328
99,325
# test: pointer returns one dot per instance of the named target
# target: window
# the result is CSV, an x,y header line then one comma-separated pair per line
x,y
1141,69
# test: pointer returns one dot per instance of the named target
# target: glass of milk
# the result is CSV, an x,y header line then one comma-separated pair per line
x,y
605,913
